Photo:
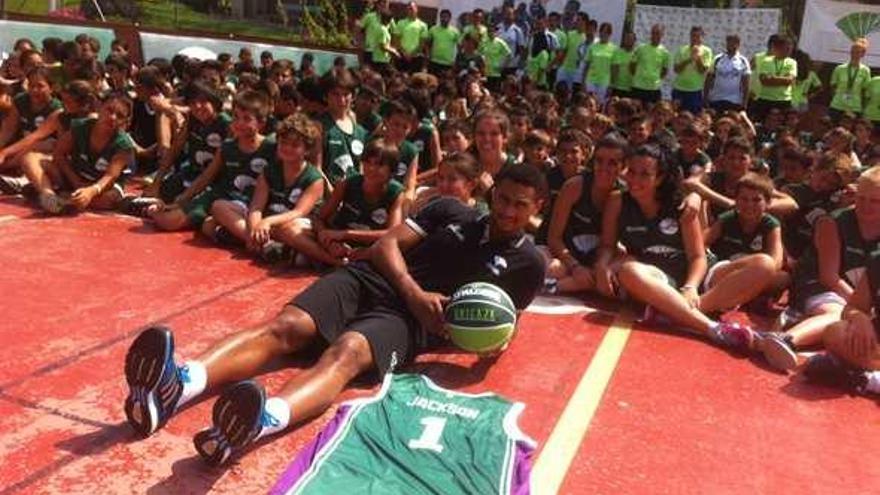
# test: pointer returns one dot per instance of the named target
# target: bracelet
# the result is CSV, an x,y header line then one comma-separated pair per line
x,y
687,287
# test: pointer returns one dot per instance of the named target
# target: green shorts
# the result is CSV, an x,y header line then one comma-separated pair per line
x,y
199,208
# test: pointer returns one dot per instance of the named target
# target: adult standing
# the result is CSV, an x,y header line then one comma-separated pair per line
x,y
497,54
621,77
410,34
443,40
515,39
599,59
649,66
569,57
477,27
848,82
727,85
692,62
778,73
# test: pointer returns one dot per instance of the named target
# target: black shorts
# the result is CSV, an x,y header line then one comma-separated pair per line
x,y
345,302
647,96
725,106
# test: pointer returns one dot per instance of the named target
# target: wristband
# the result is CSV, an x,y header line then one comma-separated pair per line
x,y
686,287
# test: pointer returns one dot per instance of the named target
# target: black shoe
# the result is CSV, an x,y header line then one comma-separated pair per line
x,y
825,369
138,206
238,420
154,383
14,186
274,252
224,237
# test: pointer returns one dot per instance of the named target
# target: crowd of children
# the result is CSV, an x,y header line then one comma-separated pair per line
x,y
691,208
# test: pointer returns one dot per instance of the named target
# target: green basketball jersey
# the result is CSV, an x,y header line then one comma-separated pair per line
x,y
422,139
92,165
240,170
415,437
29,118
735,243
283,197
407,152
853,251
873,267
202,143
342,151
357,213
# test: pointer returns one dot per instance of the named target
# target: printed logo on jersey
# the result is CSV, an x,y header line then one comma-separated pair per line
x,y
662,250
258,164
497,265
102,164
855,275
357,147
456,231
636,228
420,145
344,162
380,216
214,140
294,195
204,157
242,182
585,243
757,243
401,169
38,120
669,226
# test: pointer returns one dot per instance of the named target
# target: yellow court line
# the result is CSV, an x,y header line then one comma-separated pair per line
x,y
565,439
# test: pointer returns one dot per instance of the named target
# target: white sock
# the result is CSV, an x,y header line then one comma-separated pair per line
x,y
873,385
195,379
279,416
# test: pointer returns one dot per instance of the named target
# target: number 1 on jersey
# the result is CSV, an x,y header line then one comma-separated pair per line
x,y
430,439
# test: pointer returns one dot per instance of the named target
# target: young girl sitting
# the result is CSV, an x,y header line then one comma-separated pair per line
x,y
89,161
457,177
665,253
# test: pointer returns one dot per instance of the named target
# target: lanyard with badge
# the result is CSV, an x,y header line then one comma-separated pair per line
x,y
851,76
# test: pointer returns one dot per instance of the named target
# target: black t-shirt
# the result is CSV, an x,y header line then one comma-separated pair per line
x,y
456,250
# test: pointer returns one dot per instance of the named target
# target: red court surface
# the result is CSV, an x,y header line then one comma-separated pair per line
x,y
677,416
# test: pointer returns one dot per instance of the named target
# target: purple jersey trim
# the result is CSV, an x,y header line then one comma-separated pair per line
x,y
310,452
522,470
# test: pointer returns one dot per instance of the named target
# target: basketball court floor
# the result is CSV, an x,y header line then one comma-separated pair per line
x,y
615,408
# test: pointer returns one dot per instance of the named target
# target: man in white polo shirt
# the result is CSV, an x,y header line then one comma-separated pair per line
x,y
515,39
727,85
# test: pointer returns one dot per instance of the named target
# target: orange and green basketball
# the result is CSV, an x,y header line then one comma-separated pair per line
x,y
480,317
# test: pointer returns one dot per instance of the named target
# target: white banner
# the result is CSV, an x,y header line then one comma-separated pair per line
x,y
753,26
830,27
613,11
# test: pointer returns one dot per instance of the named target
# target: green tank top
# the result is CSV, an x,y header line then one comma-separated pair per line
x,y
356,213
342,151
407,152
655,241
797,231
853,252
415,437
240,170
92,165
28,118
735,243
283,198
583,230
202,143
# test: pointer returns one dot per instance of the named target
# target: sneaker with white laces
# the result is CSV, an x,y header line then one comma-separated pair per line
x,y
14,186
777,350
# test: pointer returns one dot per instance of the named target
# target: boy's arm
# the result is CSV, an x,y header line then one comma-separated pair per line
x,y
84,195
44,131
395,217
828,248
61,159
9,127
304,205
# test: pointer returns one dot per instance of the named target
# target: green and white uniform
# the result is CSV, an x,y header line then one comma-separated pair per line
x,y
342,151
853,251
407,152
797,233
422,139
283,197
28,118
202,144
735,243
872,100
415,437
357,213
91,165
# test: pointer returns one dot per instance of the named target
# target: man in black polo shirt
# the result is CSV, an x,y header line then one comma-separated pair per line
x,y
373,316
